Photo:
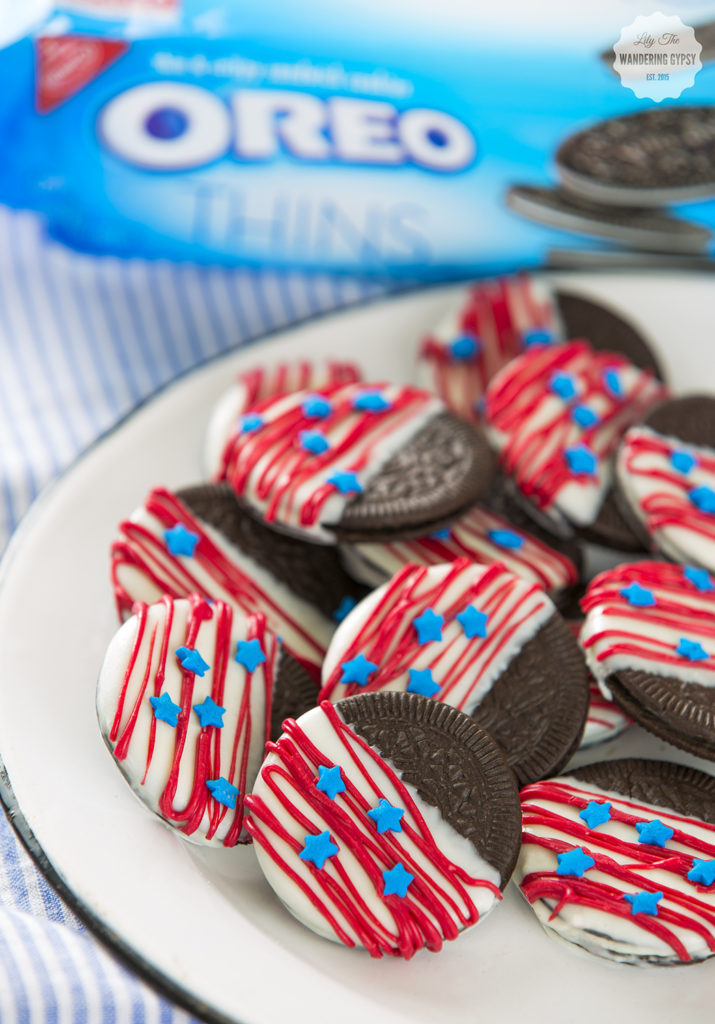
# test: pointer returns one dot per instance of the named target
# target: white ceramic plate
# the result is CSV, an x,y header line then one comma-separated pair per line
x,y
204,924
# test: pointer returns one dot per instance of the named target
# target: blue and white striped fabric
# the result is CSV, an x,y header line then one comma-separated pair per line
x,y
82,341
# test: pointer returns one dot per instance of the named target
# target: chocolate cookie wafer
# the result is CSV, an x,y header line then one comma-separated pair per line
x,y
386,821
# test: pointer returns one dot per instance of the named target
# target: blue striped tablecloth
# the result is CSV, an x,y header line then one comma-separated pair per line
x,y
83,340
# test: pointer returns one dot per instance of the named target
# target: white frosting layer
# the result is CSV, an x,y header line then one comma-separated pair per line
x,y
401,847
604,722
156,748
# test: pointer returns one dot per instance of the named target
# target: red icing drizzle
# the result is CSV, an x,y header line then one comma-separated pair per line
x,y
681,908
597,702
680,606
663,508
205,756
389,639
534,455
271,465
427,915
174,575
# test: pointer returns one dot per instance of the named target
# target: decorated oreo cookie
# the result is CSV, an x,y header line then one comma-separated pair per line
x,y
480,639
200,540
649,639
480,535
556,416
356,462
619,858
188,694
605,720
264,382
386,822
666,475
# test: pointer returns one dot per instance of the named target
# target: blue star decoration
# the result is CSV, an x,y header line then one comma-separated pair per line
x,y
386,817
703,498
443,534
700,579
536,336
473,622
346,482
584,416
691,649
318,848
330,781
313,441
315,407
702,872
181,541
464,347
644,902
191,661
581,460
682,461
595,814
396,881
638,596
654,832
358,670
344,608
210,713
371,401
612,383
563,385
222,791
506,539
165,709
574,862
250,423
250,654
429,626
421,682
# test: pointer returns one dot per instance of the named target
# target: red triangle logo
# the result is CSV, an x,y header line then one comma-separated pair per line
x,y
65,64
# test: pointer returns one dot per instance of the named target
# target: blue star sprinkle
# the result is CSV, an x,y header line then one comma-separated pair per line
x,y
703,498
702,872
421,682
313,441
250,423
165,709
397,881
330,781
654,832
581,460
563,385
644,902
192,661
612,383
344,608
638,596
443,534
222,791
210,713
429,626
358,670
250,654
318,848
181,541
473,622
584,416
346,482
506,539
574,862
691,650
386,817
683,461
700,579
595,814
315,407
371,401
464,347
536,336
